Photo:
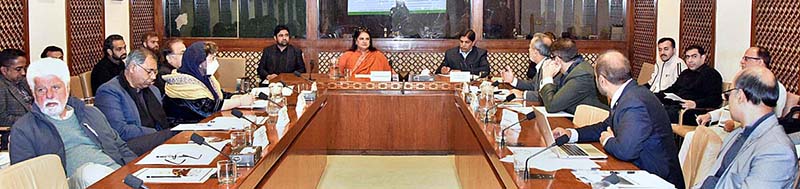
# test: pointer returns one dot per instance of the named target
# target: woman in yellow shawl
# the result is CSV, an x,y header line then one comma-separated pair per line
x,y
192,92
362,57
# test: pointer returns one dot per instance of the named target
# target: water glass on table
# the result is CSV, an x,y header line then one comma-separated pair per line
x,y
238,140
226,172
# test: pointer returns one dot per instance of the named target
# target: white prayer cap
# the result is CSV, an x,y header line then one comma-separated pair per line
x,y
48,66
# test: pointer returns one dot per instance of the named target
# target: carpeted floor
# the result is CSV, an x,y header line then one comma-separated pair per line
x,y
356,171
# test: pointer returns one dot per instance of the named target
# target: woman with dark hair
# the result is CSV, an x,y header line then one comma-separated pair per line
x,y
193,93
362,57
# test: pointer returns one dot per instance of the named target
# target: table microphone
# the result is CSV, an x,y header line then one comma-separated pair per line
x,y
528,116
238,114
199,140
563,139
495,83
265,97
134,182
509,98
300,75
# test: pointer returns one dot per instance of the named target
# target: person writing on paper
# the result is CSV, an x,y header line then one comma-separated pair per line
x,y
760,155
466,57
538,51
193,93
132,104
58,124
574,86
362,57
753,57
699,86
638,129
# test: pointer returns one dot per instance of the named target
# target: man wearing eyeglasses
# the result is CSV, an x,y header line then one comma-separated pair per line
x,y
753,57
567,81
132,104
15,95
699,86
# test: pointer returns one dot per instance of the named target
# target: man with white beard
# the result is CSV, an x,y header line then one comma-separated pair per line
x,y
58,124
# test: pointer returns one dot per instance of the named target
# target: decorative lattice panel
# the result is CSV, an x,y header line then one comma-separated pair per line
x,y
416,62
12,21
777,28
85,32
644,34
418,86
251,58
697,26
142,21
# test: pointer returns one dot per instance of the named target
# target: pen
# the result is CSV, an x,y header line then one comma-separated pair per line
x,y
164,176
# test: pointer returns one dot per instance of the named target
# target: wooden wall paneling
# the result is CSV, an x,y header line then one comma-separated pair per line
x,y
142,20
85,34
14,24
776,27
698,26
643,35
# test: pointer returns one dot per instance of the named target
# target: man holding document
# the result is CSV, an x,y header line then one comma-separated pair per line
x,y
697,89
638,129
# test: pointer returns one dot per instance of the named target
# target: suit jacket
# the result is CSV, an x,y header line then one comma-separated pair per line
x,y
12,103
767,159
475,62
578,88
532,86
121,111
270,58
642,134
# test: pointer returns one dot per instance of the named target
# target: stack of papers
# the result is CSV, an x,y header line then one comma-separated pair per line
x,y
549,161
166,175
627,178
219,123
258,104
182,154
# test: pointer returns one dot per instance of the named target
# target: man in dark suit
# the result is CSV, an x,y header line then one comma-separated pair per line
x,y
280,57
466,57
574,85
638,129
15,93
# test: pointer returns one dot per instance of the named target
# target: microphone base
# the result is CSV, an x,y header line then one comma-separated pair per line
x,y
538,176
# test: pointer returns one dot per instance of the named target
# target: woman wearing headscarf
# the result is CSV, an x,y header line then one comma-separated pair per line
x,y
192,92
362,57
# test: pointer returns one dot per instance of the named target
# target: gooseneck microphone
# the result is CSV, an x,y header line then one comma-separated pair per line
x,y
300,75
238,114
563,139
134,182
528,116
265,97
509,98
199,140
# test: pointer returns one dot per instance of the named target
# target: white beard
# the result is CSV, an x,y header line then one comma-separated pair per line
x,y
54,111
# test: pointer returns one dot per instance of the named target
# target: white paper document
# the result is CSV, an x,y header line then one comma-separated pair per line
x,y
674,97
510,117
380,76
219,123
282,122
557,114
182,154
260,137
460,77
258,104
628,178
549,161
167,175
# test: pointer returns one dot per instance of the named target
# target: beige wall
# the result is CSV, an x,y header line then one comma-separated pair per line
x,y
117,17
47,26
732,31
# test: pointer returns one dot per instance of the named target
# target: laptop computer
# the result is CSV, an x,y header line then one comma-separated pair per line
x,y
567,150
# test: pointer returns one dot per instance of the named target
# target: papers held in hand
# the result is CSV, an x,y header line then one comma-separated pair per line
x,y
673,96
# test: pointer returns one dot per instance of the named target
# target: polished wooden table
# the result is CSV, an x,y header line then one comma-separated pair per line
x,y
408,125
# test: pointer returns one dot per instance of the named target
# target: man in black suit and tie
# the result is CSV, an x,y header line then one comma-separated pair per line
x,y
637,129
466,57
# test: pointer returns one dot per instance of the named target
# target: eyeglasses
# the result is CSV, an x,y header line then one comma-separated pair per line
x,y
149,71
173,159
750,58
727,93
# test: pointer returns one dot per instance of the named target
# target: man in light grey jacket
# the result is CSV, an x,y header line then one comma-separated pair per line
x,y
759,155
538,51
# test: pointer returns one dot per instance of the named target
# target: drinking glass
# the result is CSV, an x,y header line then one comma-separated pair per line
x,y
238,140
226,172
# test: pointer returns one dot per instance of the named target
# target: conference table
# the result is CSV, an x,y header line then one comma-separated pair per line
x,y
353,116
